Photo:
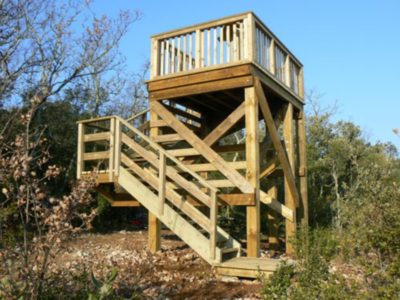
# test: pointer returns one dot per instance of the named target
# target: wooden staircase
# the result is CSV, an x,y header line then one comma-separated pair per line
x,y
158,180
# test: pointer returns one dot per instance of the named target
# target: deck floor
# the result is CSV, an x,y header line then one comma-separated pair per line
x,y
247,267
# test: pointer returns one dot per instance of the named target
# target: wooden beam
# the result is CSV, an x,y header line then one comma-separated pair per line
x,y
252,171
201,88
270,167
225,125
302,144
288,132
154,232
273,222
281,153
230,173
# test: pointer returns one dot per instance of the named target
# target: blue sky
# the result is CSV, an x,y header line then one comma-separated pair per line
x,y
350,49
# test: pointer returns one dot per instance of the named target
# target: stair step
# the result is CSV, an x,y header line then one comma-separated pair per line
x,y
247,267
229,250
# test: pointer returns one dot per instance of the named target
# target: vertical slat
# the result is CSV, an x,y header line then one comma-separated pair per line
x,y
184,53
287,71
235,41
241,41
228,43
273,222
198,48
167,58
161,182
208,32
252,37
81,150
272,56
173,50
301,83
162,60
117,151
111,150
221,44
202,60
213,221
178,54
190,51
215,45
154,61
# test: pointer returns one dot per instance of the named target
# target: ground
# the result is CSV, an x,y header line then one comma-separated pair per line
x,y
175,272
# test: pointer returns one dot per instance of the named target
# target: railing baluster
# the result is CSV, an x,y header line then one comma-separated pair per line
x,y
215,46
167,56
198,49
228,43
190,51
111,150
184,53
208,33
117,150
221,44
161,182
81,150
213,221
162,59
173,48
235,41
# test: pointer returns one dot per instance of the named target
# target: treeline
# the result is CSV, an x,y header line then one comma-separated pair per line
x,y
351,250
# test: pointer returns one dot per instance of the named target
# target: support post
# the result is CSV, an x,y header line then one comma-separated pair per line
x,y
288,130
154,223
302,144
252,171
81,150
111,150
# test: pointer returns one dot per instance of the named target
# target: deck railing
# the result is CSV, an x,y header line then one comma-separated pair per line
x,y
229,41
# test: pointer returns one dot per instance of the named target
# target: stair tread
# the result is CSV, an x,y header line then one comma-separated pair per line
x,y
229,250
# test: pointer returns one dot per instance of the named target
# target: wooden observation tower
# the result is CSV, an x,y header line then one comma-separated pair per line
x,y
225,127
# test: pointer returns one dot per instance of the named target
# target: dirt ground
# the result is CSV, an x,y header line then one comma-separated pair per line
x,y
175,272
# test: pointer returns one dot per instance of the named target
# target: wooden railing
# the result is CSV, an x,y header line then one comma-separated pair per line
x,y
111,143
228,41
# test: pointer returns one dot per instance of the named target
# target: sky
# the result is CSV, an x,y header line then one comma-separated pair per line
x,y
350,49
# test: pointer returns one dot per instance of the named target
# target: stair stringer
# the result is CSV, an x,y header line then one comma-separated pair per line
x,y
170,218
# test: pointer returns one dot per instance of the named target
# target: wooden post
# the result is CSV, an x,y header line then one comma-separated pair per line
x,y
273,226
251,34
155,58
154,223
198,49
272,56
252,171
117,150
302,144
289,197
81,150
161,182
111,150
213,229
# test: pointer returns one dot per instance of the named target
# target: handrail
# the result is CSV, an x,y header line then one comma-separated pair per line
x,y
154,145
138,114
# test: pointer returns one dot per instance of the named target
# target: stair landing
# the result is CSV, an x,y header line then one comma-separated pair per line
x,y
248,267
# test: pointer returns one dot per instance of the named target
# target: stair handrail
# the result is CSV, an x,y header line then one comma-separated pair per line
x,y
163,156
138,114
154,145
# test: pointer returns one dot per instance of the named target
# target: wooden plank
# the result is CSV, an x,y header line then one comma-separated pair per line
x,y
96,155
302,144
252,172
205,87
230,173
127,203
117,148
270,168
282,156
111,150
213,225
93,137
225,125
173,137
238,165
238,199
288,132
185,114
80,165
154,231
221,183
162,182
273,222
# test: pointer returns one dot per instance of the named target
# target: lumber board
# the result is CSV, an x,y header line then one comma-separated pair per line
x,y
201,88
281,153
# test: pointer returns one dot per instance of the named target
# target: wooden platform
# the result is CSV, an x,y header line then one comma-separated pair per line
x,y
248,267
